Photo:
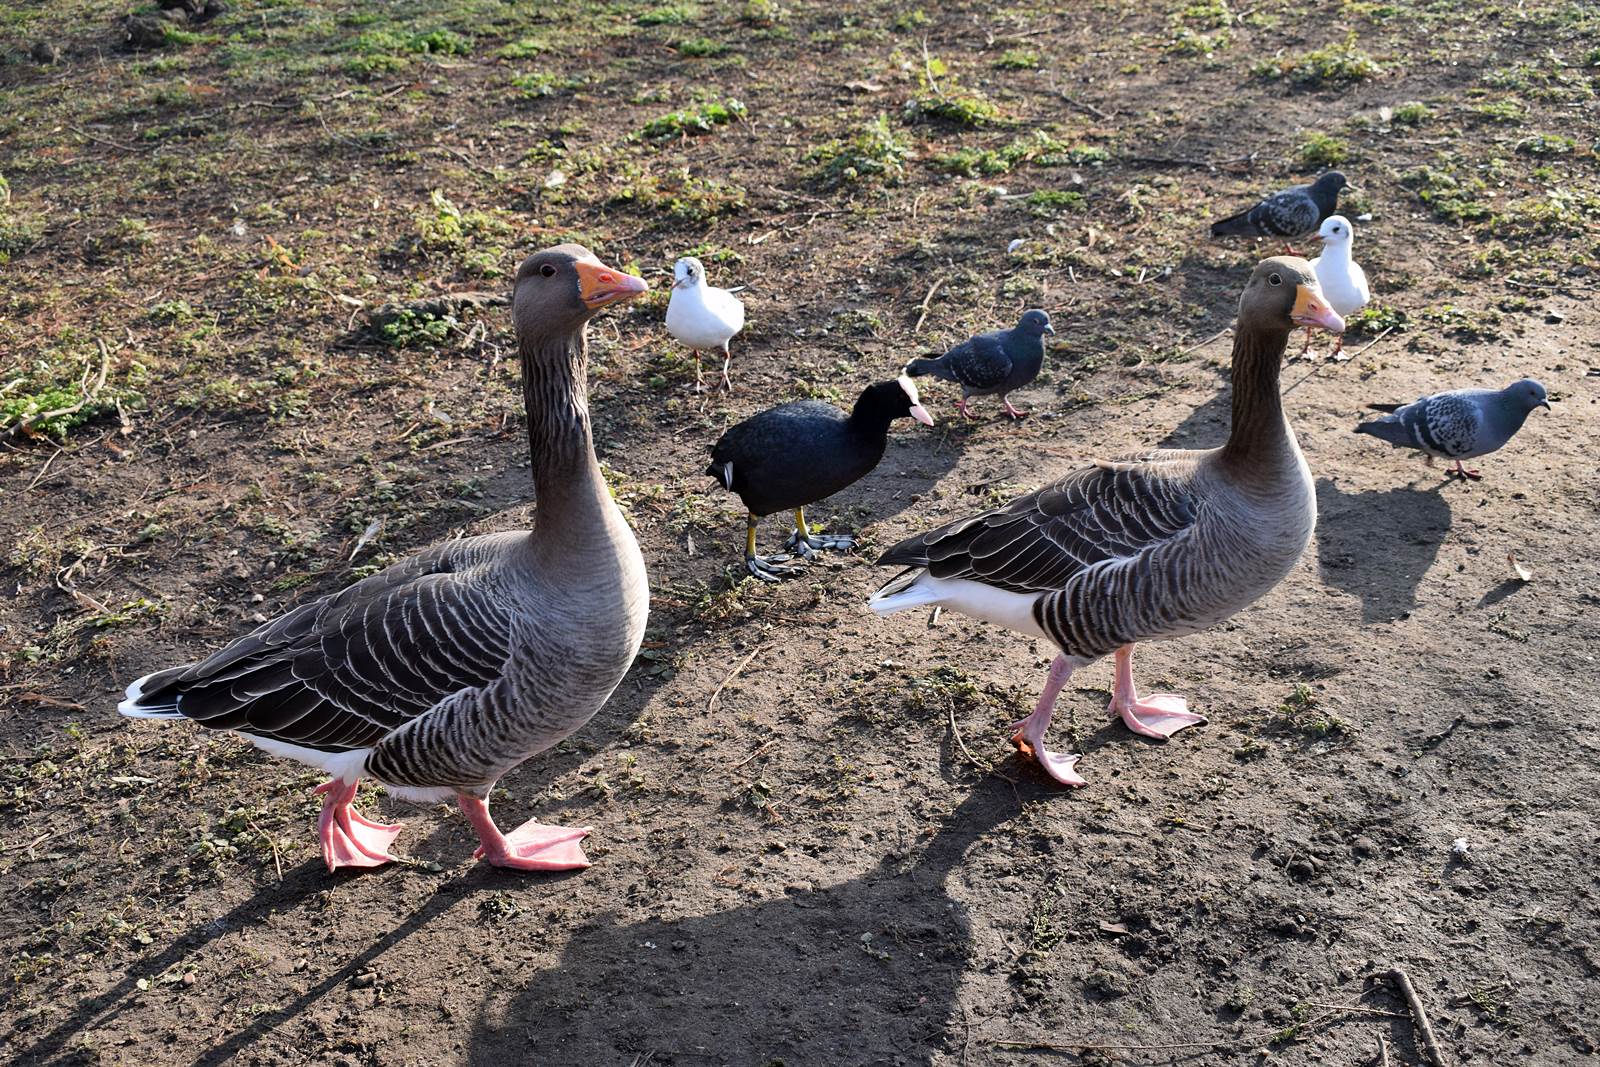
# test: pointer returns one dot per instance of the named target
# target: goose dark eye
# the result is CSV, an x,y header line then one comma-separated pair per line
x,y
1274,279
548,270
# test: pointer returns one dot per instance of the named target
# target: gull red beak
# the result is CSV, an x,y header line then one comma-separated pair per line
x,y
1311,310
600,286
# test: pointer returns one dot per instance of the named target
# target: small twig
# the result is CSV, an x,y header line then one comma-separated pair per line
x,y
44,469
759,750
89,393
927,67
108,141
983,765
1316,370
1201,344
1383,1052
1090,108
923,307
276,861
712,703
1419,1016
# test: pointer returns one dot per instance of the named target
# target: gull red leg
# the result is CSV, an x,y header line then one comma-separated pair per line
x,y
727,357
1159,715
350,839
1030,732
532,846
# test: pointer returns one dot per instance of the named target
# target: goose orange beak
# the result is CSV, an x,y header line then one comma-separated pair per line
x,y
600,286
1311,310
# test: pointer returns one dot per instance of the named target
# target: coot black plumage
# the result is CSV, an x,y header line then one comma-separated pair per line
x,y
798,453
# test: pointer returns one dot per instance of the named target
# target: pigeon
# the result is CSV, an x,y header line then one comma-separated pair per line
x,y
1458,425
995,362
701,315
1343,282
1291,214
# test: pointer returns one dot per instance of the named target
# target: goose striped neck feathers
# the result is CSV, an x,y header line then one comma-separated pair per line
x,y
1283,293
557,291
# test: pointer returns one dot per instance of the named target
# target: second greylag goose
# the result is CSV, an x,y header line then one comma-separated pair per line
x,y
1144,547
441,673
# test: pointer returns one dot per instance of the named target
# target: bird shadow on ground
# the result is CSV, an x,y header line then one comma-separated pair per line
x,y
864,970
300,888
1378,544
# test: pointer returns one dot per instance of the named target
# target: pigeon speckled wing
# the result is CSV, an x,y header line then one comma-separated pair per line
x,y
1289,214
980,364
1446,424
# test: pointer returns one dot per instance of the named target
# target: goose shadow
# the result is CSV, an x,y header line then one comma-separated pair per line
x,y
1378,544
865,970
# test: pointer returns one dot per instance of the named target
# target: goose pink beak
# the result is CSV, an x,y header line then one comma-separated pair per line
x,y
600,286
1311,310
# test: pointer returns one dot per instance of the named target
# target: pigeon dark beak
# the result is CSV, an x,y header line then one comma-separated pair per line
x,y
599,286
1049,329
920,413
1311,310
1546,405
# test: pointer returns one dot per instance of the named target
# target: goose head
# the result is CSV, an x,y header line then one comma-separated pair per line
x,y
1283,293
559,289
687,273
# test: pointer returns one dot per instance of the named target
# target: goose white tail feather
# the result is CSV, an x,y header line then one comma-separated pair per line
x,y
347,766
917,588
132,709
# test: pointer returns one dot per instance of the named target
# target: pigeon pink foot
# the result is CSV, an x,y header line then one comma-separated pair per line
x,y
350,839
1472,474
1159,715
532,846
1013,412
1029,736
966,412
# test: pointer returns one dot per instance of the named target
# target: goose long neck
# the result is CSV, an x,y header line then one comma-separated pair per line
x,y
569,489
1260,432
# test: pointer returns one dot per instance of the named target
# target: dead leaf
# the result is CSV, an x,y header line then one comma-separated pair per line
x,y
864,87
1521,570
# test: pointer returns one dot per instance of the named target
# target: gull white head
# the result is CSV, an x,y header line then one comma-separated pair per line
x,y
918,412
687,273
1336,232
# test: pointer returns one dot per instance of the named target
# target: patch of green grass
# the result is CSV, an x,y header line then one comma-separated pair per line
x,y
1506,111
873,153
1411,113
539,84
1187,42
1546,144
1451,198
1019,59
949,102
703,119
413,329
444,227
525,48
1333,65
680,196
1323,150
907,21
669,15
1375,318
1054,201
1561,212
1212,14
700,48
171,312
761,12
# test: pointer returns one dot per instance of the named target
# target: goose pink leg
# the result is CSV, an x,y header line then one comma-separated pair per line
x,y
1159,715
350,839
1029,734
530,847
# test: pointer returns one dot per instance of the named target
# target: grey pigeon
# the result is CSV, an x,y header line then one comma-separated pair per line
x,y
1461,424
991,363
1291,214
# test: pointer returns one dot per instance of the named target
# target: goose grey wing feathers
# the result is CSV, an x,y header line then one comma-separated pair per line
x,y
342,672
1112,510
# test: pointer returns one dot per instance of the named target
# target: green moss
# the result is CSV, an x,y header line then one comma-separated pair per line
x,y
703,119
700,48
1019,59
1335,64
1187,42
873,153
949,102
1506,111
1322,150
1451,198
669,15
1546,144
1411,113
540,84
1054,201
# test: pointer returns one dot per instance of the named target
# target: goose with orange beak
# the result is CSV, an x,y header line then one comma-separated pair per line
x,y
441,673
1145,547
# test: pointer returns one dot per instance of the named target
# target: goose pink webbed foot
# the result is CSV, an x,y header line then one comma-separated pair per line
x,y
350,839
1030,732
533,846
1159,715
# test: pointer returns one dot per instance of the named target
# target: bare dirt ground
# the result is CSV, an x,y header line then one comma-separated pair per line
x,y
813,843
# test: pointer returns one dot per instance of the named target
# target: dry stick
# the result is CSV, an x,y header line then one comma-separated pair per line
x,y
1314,371
276,862
759,750
712,703
983,765
1383,1052
1208,340
1418,1016
923,307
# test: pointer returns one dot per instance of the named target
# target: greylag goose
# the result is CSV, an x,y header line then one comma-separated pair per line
x,y
1144,547
702,316
1461,424
441,673
992,363
795,454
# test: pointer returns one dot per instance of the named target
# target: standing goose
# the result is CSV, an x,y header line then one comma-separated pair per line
x,y
1145,547
441,673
